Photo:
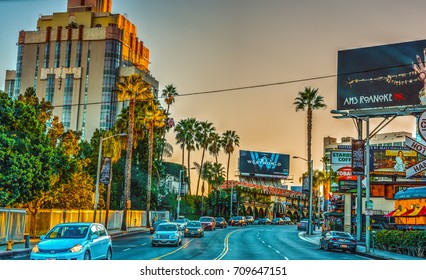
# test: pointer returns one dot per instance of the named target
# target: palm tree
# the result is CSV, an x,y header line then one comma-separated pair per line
x,y
230,140
169,93
132,88
214,173
309,100
215,145
203,139
185,136
154,119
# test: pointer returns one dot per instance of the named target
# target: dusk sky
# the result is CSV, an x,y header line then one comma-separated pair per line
x,y
205,45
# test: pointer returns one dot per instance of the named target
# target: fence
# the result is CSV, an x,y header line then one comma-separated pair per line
x,y
16,223
12,224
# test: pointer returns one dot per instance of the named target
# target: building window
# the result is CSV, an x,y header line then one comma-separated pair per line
x,y
78,58
18,71
68,55
86,89
36,67
46,55
68,91
109,98
50,88
57,54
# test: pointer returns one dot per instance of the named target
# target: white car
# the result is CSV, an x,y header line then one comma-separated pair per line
x,y
167,234
74,241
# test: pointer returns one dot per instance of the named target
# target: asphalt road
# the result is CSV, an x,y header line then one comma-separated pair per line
x,y
233,243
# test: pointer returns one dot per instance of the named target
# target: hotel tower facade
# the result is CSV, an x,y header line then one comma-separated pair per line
x,y
75,58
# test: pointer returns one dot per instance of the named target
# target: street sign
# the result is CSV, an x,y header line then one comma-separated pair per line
x,y
369,212
369,205
421,149
421,125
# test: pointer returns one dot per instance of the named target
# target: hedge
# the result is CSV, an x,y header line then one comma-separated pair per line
x,y
410,242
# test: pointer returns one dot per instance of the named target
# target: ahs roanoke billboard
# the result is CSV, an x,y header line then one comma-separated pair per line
x,y
263,164
382,76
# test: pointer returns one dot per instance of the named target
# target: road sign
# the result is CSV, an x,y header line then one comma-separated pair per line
x,y
421,149
369,212
421,125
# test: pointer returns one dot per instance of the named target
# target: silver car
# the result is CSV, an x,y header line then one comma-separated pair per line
x,y
167,234
74,241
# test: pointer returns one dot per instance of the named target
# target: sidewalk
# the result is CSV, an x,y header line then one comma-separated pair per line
x,y
21,248
361,249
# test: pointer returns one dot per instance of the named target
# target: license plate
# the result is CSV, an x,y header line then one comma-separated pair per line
x,y
192,232
343,246
50,258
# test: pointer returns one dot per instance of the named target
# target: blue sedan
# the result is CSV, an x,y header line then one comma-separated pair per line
x,y
74,241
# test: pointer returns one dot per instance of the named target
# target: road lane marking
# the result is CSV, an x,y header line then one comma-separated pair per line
x,y
174,251
225,245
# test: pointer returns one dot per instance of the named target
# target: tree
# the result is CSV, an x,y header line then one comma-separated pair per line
x,y
309,100
132,88
203,137
25,154
169,93
215,145
154,119
230,140
325,161
185,136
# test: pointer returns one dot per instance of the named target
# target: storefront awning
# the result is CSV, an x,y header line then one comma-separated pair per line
x,y
404,212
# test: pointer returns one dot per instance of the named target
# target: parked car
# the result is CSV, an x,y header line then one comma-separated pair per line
x,y
182,222
250,220
264,221
302,225
340,240
287,221
74,241
277,221
239,221
221,222
194,228
208,222
167,234
155,224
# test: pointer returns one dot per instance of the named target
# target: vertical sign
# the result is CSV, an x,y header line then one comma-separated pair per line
x,y
105,173
358,147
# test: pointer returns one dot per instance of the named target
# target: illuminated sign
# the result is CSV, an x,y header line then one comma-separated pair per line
x,y
381,76
263,164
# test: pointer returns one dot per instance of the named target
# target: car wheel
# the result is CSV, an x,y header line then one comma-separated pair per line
x,y
87,255
109,254
153,245
353,251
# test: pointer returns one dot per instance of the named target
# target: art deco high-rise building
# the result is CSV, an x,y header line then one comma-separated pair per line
x,y
74,60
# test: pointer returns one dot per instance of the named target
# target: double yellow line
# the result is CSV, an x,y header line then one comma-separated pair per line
x,y
174,251
225,245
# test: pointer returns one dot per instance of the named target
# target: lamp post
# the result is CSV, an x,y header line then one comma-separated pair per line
x,y
181,174
310,171
101,139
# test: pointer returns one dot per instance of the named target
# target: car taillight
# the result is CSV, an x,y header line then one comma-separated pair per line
x,y
353,241
334,239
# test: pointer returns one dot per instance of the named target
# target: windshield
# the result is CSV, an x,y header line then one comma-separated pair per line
x,y
166,227
194,224
68,232
205,220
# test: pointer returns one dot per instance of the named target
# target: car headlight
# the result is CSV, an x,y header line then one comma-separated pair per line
x,y
186,230
35,249
76,248
174,236
198,230
155,235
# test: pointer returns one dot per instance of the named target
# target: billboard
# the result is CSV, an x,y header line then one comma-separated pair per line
x,y
393,160
381,76
263,164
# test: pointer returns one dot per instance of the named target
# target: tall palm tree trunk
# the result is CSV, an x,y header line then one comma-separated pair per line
x,y
227,182
128,167
189,172
150,155
201,170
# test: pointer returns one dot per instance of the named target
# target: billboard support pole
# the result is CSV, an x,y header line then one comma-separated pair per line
x,y
359,193
367,185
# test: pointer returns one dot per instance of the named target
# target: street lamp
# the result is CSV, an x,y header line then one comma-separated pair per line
x,y
310,171
101,139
